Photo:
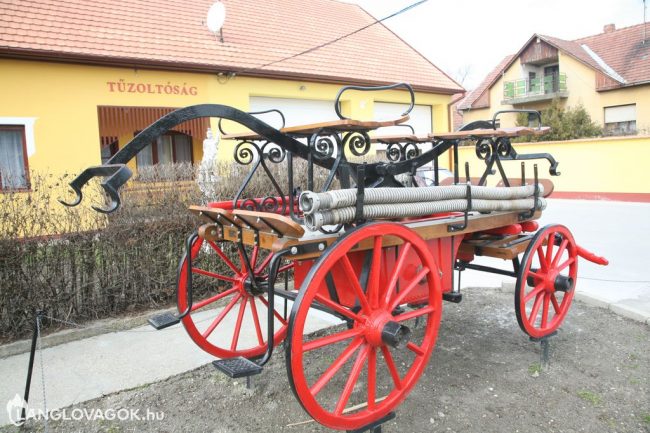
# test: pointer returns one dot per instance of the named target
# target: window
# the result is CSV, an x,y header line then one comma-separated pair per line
x,y
168,148
108,151
620,120
14,172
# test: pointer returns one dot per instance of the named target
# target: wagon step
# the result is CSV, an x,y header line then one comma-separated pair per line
x,y
164,320
237,367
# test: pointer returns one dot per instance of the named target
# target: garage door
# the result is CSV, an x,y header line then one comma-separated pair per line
x,y
420,117
296,111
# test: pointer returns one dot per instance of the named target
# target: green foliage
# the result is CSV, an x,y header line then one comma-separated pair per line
x,y
566,123
591,397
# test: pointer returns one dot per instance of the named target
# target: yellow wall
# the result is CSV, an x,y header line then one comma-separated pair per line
x,y
602,165
64,99
581,85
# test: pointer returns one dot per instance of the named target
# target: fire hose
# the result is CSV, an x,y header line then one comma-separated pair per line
x,y
339,207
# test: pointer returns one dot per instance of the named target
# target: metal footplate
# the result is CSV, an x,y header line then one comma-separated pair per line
x,y
164,320
237,367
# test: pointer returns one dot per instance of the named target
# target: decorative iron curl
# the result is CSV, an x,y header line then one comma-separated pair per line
x,y
484,149
322,147
274,153
249,204
358,142
503,147
402,151
270,204
246,152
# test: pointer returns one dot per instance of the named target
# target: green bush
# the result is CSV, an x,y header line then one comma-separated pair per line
x,y
566,123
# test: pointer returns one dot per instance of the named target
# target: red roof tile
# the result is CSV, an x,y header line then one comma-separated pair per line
x,y
171,34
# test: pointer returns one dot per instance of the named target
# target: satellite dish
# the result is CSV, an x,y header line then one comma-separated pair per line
x,y
216,16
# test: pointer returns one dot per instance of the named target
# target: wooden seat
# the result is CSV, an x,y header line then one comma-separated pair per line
x,y
389,139
265,222
502,247
519,131
341,125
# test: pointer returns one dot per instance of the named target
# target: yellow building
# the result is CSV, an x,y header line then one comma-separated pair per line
x,y
79,79
608,74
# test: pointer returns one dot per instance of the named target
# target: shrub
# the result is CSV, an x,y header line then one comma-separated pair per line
x,y
566,123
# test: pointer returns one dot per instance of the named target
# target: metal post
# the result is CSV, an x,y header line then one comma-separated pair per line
x,y
30,367
544,357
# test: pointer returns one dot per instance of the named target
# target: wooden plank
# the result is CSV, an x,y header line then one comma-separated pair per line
x,y
269,222
519,131
342,125
243,136
400,139
506,248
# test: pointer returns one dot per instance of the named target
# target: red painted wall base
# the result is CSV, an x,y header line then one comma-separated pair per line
x,y
641,197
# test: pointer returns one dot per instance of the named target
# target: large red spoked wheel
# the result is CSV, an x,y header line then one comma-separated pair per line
x,y
230,320
546,281
347,377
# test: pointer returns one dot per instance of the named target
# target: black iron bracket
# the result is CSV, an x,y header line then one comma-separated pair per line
x,y
468,195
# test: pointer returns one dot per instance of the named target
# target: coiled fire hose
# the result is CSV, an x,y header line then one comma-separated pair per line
x,y
338,207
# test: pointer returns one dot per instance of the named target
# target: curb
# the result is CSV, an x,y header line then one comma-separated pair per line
x,y
89,329
623,310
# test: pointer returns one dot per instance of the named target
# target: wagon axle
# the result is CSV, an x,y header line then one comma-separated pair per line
x,y
557,283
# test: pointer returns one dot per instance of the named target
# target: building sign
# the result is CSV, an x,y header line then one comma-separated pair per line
x,y
168,88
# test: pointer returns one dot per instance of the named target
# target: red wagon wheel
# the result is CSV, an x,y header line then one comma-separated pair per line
x,y
239,327
378,358
546,281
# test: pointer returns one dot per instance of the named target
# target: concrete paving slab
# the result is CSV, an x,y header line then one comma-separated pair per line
x,y
91,367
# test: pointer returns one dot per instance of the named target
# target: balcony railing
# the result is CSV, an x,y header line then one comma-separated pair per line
x,y
524,88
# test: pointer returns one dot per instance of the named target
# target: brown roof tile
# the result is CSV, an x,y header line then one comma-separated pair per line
x,y
171,33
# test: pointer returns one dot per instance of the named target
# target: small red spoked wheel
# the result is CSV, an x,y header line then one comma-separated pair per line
x,y
230,319
546,281
350,375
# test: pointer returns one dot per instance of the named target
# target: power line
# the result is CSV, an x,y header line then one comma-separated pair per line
x,y
309,50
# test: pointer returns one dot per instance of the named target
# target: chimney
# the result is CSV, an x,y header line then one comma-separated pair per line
x,y
609,28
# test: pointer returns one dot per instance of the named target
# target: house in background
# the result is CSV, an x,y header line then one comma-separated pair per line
x,y
78,79
608,73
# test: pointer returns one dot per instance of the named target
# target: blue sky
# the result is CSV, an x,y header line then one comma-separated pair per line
x,y
472,36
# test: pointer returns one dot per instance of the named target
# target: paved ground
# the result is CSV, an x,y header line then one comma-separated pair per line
x,y
104,364
484,377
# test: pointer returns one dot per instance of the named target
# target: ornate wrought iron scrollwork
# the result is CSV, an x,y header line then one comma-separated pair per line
x,y
402,151
358,142
484,149
247,153
323,147
504,147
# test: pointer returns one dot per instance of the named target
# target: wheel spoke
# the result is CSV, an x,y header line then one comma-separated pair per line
x,y
224,258
556,305
213,275
559,253
414,348
565,264
330,339
415,313
538,288
372,377
535,309
390,363
354,282
338,308
401,259
545,310
212,299
335,367
372,290
352,380
404,293
540,257
264,263
221,315
285,268
550,243
275,313
256,322
240,318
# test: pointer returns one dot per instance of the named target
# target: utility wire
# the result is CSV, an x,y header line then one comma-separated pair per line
x,y
347,35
